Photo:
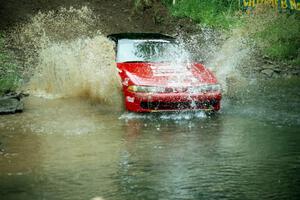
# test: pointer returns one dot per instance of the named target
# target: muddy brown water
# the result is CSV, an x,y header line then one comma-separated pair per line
x,y
75,149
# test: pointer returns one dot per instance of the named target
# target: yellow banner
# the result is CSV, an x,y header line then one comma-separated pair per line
x,y
280,4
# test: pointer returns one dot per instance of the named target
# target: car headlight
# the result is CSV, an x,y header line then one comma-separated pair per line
x,y
214,87
205,88
146,89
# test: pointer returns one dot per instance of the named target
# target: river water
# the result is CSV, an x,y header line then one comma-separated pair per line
x,y
77,149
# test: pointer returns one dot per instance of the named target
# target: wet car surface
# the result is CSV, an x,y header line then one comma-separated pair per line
x,y
155,76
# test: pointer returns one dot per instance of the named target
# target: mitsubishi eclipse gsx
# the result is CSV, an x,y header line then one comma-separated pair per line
x,y
153,79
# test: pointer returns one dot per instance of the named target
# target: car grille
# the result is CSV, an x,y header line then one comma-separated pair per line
x,y
178,105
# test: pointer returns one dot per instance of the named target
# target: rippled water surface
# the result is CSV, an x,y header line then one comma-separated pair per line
x,y
76,149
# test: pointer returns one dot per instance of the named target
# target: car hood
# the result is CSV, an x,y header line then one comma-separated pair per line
x,y
166,74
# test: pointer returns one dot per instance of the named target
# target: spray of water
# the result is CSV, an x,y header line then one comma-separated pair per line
x,y
66,56
84,67
226,61
225,55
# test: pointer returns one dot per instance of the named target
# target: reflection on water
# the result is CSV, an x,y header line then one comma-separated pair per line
x,y
75,149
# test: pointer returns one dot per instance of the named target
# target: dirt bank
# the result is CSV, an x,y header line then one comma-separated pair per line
x,y
112,16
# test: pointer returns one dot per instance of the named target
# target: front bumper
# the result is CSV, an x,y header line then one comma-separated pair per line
x,y
161,102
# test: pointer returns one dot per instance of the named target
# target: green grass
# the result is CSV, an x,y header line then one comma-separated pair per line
x,y
280,39
213,13
277,35
9,73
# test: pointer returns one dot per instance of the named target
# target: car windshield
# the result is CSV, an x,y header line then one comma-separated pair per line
x,y
146,50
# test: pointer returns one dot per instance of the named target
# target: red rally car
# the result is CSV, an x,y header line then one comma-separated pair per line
x,y
156,79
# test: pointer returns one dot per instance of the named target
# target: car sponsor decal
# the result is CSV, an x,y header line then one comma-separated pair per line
x,y
130,99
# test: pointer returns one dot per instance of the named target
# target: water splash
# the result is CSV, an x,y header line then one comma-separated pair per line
x,y
173,116
226,60
67,56
64,61
84,67
225,55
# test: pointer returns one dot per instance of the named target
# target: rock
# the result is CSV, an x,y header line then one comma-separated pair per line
x,y
11,103
269,66
277,70
276,75
268,72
